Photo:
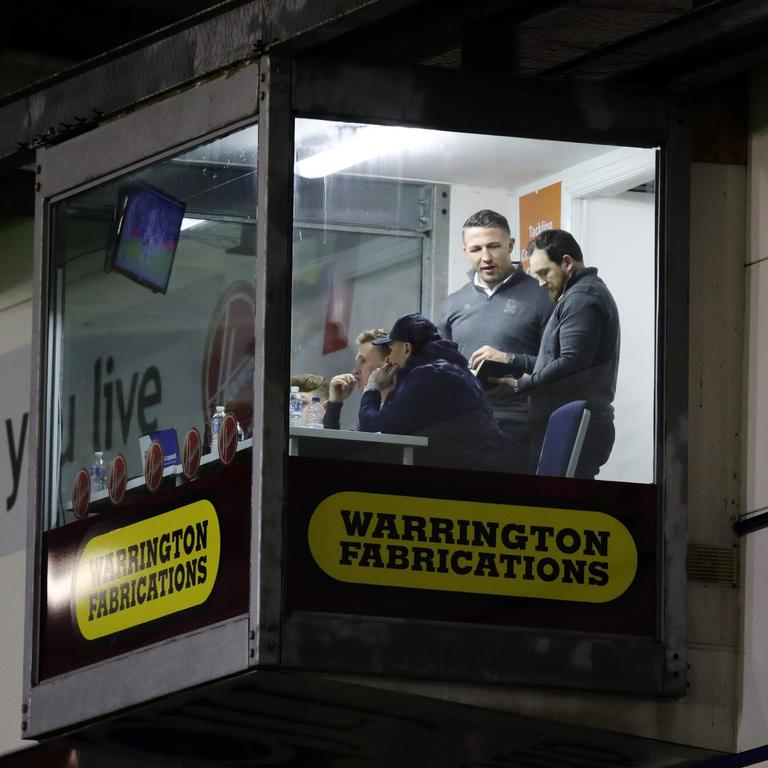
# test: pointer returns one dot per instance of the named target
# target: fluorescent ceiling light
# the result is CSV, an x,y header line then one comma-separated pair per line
x,y
369,142
189,223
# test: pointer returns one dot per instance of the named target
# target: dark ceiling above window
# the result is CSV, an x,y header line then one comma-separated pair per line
x,y
642,41
94,56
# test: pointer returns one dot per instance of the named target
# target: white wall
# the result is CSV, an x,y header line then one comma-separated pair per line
x,y
757,355
618,237
753,719
12,580
15,338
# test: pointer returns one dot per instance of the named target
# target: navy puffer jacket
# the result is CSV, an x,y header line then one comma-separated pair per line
x,y
436,396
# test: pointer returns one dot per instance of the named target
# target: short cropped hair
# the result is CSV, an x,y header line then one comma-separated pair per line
x,y
311,382
557,243
486,219
370,335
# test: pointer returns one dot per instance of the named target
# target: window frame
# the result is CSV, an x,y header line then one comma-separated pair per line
x,y
600,113
130,142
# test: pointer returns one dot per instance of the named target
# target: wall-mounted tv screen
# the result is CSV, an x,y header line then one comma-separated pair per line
x,y
144,235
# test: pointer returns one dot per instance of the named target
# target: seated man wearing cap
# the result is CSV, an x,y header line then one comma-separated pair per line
x,y
435,395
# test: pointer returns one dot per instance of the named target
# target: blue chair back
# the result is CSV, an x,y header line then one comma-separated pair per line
x,y
563,439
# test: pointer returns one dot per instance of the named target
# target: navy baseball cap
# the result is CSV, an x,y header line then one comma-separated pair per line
x,y
414,328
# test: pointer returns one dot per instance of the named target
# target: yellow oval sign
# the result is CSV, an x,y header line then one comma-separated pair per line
x,y
147,570
466,546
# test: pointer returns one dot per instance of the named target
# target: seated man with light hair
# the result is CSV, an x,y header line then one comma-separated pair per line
x,y
368,358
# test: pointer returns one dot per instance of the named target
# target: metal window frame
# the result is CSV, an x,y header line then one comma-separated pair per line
x,y
597,113
141,137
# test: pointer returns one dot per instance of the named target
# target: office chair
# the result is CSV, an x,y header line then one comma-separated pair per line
x,y
563,439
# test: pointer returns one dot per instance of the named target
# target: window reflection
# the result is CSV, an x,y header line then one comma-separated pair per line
x,y
135,362
379,234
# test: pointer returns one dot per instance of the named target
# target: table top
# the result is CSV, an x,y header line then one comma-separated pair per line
x,y
360,437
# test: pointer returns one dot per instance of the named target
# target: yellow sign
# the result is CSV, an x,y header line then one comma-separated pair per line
x,y
466,546
147,570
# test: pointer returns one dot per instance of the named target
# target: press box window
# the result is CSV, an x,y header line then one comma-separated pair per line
x,y
378,217
154,317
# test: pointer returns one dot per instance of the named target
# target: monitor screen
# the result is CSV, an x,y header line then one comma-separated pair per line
x,y
145,235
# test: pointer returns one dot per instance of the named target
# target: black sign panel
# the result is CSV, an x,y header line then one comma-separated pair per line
x,y
481,548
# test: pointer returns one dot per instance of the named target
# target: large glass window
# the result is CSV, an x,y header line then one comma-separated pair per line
x,y
155,300
379,234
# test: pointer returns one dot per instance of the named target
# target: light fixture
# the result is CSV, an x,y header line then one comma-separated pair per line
x,y
189,223
369,142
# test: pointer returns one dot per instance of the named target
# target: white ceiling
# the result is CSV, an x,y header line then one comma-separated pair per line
x,y
420,154
452,158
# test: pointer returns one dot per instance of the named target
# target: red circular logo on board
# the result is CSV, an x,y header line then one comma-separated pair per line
x,y
228,357
190,453
81,494
228,439
118,477
153,466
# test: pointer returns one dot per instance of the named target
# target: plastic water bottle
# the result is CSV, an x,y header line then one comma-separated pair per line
x,y
315,414
216,421
98,471
294,408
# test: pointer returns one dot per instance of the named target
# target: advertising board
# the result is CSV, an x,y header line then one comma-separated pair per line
x,y
147,571
521,551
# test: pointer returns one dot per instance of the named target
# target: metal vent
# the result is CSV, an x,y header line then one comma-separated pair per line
x,y
713,564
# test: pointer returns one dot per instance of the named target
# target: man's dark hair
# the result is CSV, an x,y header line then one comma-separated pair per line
x,y
488,220
557,243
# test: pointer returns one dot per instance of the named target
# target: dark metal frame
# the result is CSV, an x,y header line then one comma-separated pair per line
x,y
563,111
154,132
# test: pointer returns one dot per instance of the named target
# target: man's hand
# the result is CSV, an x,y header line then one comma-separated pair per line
x,y
505,389
384,376
486,353
341,387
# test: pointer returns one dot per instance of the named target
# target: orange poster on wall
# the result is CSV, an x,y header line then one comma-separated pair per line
x,y
539,210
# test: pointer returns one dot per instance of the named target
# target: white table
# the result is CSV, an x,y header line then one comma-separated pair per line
x,y
299,435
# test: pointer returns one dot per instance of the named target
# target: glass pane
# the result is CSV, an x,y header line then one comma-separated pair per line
x,y
136,356
392,221
346,280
